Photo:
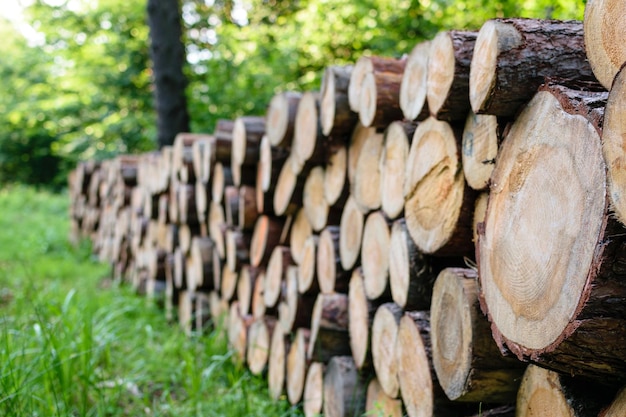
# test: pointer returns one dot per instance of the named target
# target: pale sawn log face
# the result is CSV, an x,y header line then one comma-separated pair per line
x,y
479,149
375,255
361,314
384,335
604,33
540,236
413,88
313,396
614,144
377,402
392,167
343,390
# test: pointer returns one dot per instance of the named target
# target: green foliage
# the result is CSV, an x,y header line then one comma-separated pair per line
x,y
73,344
82,90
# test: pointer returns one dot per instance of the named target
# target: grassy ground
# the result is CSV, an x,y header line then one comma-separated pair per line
x,y
73,345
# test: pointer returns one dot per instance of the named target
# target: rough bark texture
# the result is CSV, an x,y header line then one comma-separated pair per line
x,y
168,56
329,328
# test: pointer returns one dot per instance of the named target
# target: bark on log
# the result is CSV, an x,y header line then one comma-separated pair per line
x,y
274,275
313,396
367,65
613,145
259,338
365,187
336,117
248,212
380,98
421,393
300,232
297,364
604,32
414,83
513,57
449,73
481,136
336,185
393,167
265,238
308,140
329,328
377,402
467,360
331,276
375,255
361,312
280,118
438,204
560,304
411,273
231,205
350,234
279,347
344,392
544,392
384,334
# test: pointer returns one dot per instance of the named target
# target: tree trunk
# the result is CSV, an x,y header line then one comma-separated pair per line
x,y
329,328
380,98
414,83
513,57
168,56
449,73
553,305
468,363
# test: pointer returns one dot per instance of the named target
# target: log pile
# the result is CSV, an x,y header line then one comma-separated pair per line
x,y
379,244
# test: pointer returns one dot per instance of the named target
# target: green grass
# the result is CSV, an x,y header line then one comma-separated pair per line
x,y
73,344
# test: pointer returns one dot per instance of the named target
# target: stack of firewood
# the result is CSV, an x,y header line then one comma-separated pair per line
x,y
379,245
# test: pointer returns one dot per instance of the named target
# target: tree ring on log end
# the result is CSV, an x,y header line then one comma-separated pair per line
x,y
440,70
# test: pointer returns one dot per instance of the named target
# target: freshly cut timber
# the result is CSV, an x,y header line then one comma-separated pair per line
x,y
297,365
380,98
237,249
245,287
259,338
481,137
550,255
377,402
359,137
307,273
308,140
546,393
365,186
370,65
513,57
361,313
449,73
231,205
420,390
228,284
467,360
336,186
480,209
313,396
279,346
257,306
331,277
271,161
300,232
350,234
294,310
201,262
329,327
393,167
265,238
375,255
275,273
248,212
217,227
238,331
336,117
280,118
384,334
288,189
344,391
411,273
247,134
614,145
438,204
315,205
413,89
604,35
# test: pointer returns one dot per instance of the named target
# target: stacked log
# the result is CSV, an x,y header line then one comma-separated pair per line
x,y
409,238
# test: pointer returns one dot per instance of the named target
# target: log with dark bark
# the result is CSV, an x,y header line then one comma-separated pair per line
x,y
481,136
350,234
438,203
384,334
560,303
603,31
295,309
297,365
380,98
375,255
331,276
313,396
411,273
245,287
231,206
513,57
344,391
370,65
247,213
449,73
414,83
336,117
329,327
280,118
397,139
467,360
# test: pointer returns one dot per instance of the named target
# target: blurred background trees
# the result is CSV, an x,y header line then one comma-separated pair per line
x,y
77,81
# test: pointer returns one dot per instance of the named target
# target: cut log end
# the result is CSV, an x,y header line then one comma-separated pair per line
x,y
375,255
479,149
384,334
413,88
312,399
359,325
440,71
352,221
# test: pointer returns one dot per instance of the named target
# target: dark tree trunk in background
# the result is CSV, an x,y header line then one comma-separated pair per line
x,y
168,56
